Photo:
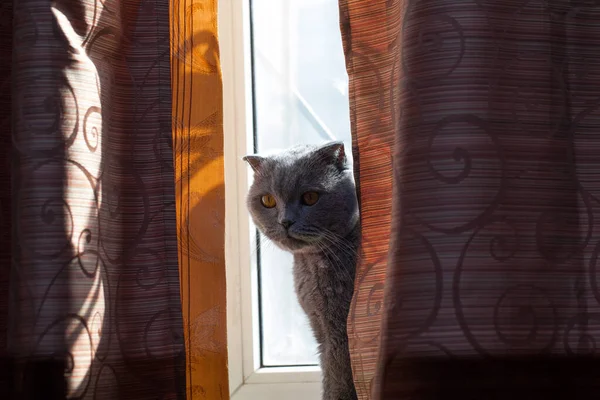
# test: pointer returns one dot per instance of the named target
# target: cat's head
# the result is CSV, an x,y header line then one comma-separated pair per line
x,y
304,197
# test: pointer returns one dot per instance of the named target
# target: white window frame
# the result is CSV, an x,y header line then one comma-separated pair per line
x,y
247,380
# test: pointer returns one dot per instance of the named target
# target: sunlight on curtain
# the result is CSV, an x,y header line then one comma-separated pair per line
x,y
89,293
368,28
491,109
200,192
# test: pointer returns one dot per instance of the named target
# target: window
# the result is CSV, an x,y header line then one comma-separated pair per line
x,y
285,83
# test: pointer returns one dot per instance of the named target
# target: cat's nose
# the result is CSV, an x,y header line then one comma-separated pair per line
x,y
286,223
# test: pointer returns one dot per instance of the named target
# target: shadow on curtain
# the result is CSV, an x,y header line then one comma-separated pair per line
x,y
200,193
483,118
90,286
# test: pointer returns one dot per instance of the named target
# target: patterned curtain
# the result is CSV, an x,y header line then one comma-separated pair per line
x,y
90,296
370,29
476,131
200,193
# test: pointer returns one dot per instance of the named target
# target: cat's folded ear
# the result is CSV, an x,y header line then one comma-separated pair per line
x,y
335,153
254,161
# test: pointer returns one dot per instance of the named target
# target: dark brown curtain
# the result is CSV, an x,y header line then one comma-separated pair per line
x,y
89,286
477,126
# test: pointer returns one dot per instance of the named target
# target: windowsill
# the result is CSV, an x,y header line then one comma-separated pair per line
x,y
278,391
290,383
285,375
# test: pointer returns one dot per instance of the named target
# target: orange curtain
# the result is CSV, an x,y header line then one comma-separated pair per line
x,y
369,30
200,193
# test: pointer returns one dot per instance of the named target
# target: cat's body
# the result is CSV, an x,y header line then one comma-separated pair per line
x,y
304,200
324,283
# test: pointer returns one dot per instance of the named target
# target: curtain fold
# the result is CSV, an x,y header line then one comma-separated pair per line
x,y
200,193
482,116
89,288
370,32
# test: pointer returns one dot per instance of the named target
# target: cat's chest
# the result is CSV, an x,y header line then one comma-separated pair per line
x,y
318,285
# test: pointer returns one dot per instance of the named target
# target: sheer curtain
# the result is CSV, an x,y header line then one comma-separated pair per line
x,y
90,293
476,138
200,193
112,283
475,150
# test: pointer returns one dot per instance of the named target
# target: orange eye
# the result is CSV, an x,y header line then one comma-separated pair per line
x,y
310,198
268,201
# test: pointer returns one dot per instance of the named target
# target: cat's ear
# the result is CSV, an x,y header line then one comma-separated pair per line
x,y
335,153
254,161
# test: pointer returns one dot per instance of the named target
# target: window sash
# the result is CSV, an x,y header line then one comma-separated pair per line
x,y
247,380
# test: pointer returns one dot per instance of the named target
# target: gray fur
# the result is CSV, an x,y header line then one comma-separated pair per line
x,y
323,239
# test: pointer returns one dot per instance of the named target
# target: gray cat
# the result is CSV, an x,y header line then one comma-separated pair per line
x,y
304,200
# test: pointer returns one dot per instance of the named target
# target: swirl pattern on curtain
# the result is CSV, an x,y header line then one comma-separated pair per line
x,y
475,124
94,278
200,193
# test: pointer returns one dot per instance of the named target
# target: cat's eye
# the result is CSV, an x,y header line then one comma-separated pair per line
x,y
268,201
310,198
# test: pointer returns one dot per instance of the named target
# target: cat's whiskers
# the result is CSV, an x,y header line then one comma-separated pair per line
x,y
335,245
334,257
263,243
339,242
341,266
328,248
